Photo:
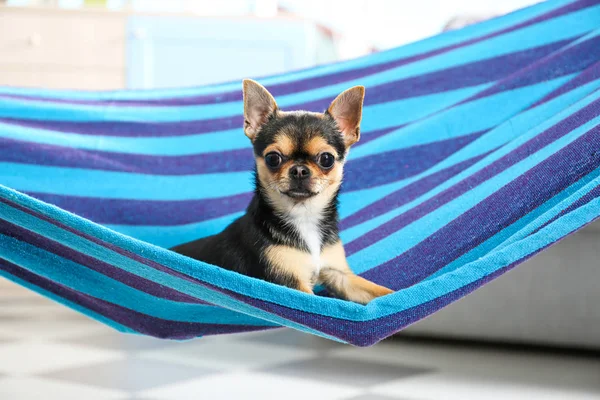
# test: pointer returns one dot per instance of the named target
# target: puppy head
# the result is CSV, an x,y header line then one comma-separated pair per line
x,y
300,155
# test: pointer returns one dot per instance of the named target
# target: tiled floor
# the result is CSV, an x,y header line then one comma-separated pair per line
x,y
48,351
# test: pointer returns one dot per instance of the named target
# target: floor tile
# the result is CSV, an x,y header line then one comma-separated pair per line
x,y
4,340
457,387
10,318
27,298
566,370
31,357
372,396
295,339
142,398
119,341
336,370
129,374
42,328
225,352
36,311
251,386
38,388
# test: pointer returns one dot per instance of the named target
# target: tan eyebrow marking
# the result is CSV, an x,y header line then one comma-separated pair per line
x,y
282,144
318,145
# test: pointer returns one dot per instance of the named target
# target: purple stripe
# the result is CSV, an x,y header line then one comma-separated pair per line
x,y
406,194
560,129
568,61
134,129
62,156
589,75
395,165
135,281
449,79
591,195
367,136
147,212
134,320
335,77
498,211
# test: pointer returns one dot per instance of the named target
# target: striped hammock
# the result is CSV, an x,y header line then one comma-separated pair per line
x,y
480,148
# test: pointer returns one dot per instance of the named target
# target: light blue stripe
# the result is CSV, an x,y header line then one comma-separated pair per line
x,y
122,185
429,44
231,139
169,236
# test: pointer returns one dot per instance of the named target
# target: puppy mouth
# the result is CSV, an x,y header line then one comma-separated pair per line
x,y
299,194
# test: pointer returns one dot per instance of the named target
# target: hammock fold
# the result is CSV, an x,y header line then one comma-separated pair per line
x,y
480,147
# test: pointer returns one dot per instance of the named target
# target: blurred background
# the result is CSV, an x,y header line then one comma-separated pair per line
x,y
115,44
524,336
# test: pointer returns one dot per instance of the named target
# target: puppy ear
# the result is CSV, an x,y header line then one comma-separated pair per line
x,y
346,110
259,105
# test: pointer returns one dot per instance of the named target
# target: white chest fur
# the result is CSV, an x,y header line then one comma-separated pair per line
x,y
306,222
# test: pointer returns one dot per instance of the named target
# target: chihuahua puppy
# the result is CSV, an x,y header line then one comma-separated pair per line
x,y
289,234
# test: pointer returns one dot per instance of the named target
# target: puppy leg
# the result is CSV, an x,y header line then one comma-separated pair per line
x,y
290,267
338,278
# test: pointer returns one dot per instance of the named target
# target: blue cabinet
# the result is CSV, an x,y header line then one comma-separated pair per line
x,y
171,51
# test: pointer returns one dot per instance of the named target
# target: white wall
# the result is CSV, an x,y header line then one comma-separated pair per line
x,y
389,23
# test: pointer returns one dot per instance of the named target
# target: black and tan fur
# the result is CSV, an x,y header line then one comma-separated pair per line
x,y
289,234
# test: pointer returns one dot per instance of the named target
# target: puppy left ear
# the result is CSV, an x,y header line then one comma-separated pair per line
x,y
259,105
346,110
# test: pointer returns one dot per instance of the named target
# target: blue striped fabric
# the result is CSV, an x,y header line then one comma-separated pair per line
x,y
481,147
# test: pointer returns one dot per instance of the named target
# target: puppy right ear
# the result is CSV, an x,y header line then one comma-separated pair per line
x,y
259,105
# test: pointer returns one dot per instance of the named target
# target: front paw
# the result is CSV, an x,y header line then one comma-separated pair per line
x,y
365,294
376,291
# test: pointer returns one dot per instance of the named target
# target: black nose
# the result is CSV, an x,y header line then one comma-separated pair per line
x,y
299,172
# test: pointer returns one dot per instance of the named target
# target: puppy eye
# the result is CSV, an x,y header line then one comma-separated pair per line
x,y
326,160
273,160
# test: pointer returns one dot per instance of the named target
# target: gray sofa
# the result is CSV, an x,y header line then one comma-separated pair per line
x,y
552,299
